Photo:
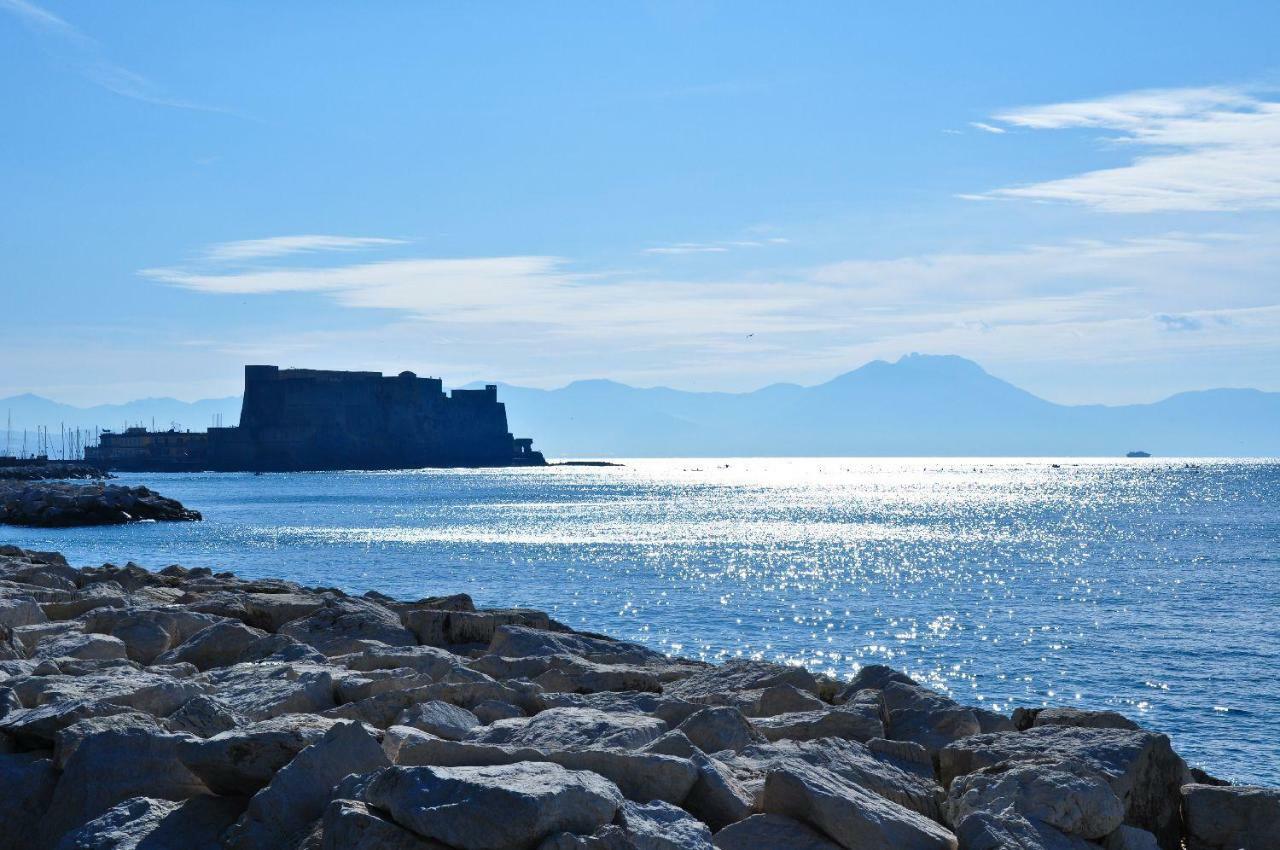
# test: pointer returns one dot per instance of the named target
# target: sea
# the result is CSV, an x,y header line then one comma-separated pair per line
x,y
1147,586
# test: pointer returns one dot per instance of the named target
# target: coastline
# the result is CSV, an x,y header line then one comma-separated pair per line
x,y
264,714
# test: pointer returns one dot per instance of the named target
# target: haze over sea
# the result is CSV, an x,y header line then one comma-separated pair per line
x,y
1150,587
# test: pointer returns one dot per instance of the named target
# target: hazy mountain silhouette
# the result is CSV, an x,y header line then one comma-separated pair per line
x,y
920,405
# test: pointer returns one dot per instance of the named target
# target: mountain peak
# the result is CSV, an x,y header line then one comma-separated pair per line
x,y
939,364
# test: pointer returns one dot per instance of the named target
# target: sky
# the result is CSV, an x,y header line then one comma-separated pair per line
x,y
1083,197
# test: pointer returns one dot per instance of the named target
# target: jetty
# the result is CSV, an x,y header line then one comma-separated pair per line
x,y
191,708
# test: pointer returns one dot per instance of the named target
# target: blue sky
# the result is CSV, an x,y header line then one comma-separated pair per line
x,y
1084,197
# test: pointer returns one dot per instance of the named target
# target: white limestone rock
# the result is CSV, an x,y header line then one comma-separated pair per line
x,y
342,623
281,814
261,691
352,825
243,760
772,832
718,728
1063,794
852,721
712,684
569,728
460,806
111,766
1227,817
27,781
146,823
1141,767
219,645
856,818
440,719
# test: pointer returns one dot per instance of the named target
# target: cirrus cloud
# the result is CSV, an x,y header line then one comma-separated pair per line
x,y
1209,149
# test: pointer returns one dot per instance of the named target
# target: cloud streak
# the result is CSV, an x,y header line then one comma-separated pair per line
x,y
85,55
722,247
1208,149
283,246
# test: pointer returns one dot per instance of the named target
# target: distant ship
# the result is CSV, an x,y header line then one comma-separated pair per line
x,y
296,420
1138,454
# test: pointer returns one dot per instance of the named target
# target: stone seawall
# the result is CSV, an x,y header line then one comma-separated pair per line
x,y
61,504
191,709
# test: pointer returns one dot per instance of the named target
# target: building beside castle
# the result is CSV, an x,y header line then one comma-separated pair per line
x,y
307,419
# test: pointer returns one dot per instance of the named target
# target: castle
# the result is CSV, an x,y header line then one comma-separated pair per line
x,y
295,420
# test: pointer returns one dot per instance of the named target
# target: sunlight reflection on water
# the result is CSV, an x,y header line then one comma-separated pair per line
x,y
1144,586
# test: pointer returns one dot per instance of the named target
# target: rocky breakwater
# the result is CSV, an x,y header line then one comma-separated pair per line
x,y
52,469
61,504
188,709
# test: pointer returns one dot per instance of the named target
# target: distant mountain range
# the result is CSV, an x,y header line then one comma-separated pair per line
x,y
922,405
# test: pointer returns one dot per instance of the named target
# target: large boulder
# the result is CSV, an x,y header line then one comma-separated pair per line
x,y
771,832
1008,830
77,602
343,624
112,766
439,718
147,632
27,781
459,806
281,814
533,640
1061,794
849,760
1141,767
145,823
642,777
260,691
717,728
380,710
926,717
1231,817
854,817
662,826
20,611
443,628
352,825
717,798
872,677
778,699
1066,716
68,739
854,721
204,716
669,709
55,702
82,646
715,685
431,660
567,673
270,611
569,728
242,761
219,645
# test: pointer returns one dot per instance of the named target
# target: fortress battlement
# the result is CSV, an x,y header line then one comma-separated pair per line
x,y
313,419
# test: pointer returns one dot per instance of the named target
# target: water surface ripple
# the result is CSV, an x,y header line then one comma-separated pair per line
x,y
1149,587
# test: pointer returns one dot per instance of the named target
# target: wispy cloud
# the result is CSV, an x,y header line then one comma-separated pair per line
x,y
987,128
1196,149
542,319
720,247
85,54
282,246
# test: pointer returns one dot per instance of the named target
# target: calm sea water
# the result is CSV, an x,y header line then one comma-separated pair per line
x,y
1150,587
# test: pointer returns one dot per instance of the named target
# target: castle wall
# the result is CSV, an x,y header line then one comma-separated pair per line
x,y
310,419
